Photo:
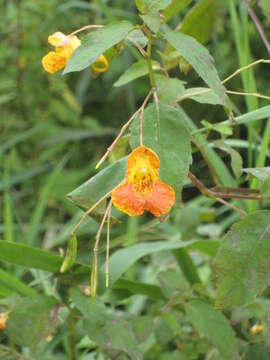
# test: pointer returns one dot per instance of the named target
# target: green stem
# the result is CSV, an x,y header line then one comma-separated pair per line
x,y
72,336
149,62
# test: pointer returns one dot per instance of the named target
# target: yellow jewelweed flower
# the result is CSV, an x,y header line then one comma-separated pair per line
x,y
257,329
142,188
101,65
64,47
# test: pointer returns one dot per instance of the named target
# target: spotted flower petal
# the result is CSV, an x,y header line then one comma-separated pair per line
x,y
124,199
161,200
142,171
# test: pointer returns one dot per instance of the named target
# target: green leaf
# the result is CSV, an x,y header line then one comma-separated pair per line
x,y
34,258
175,8
28,256
152,20
15,285
71,254
262,174
146,6
248,118
167,135
99,185
199,21
96,43
206,97
135,287
34,226
187,266
143,327
219,127
135,71
104,328
138,36
243,261
92,310
265,4
214,326
31,321
209,247
199,58
122,259
236,160
168,89
173,284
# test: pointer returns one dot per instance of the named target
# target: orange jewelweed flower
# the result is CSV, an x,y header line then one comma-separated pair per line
x,y
3,320
142,188
64,47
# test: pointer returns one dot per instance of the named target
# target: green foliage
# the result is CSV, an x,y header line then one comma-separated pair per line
x,y
200,20
135,71
199,58
242,263
86,195
165,273
213,325
33,313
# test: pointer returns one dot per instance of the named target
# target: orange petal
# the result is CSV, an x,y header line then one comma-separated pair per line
x,y
161,200
124,200
143,152
53,62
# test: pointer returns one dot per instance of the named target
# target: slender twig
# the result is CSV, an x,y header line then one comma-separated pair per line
x,y
108,244
88,212
246,67
134,42
208,162
86,27
122,131
205,191
258,25
101,226
142,112
248,94
237,72
239,196
94,273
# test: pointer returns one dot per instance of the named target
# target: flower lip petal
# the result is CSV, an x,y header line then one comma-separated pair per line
x,y
161,200
53,62
125,200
